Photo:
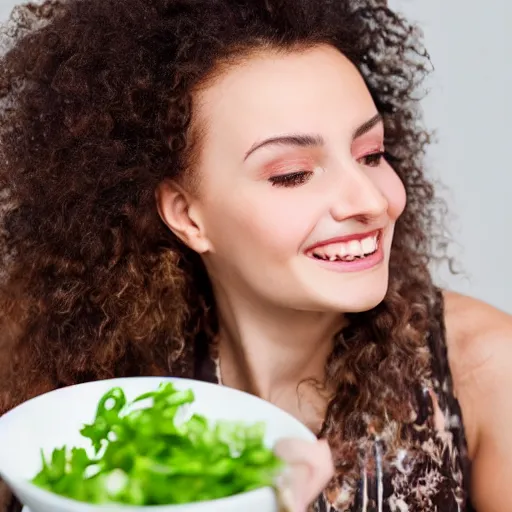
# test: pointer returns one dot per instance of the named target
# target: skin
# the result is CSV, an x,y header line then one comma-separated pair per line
x,y
480,356
278,307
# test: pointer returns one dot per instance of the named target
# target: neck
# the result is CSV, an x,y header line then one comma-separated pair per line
x,y
268,351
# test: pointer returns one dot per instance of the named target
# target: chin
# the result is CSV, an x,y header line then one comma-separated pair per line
x,y
354,297
360,302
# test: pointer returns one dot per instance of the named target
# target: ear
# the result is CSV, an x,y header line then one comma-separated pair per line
x,y
176,208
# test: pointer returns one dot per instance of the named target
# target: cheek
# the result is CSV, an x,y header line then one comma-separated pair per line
x,y
265,224
393,190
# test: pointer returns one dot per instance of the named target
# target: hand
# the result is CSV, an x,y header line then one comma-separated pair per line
x,y
310,469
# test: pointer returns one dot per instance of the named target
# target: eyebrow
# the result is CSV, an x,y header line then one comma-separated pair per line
x,y
367,126
305,140
299,140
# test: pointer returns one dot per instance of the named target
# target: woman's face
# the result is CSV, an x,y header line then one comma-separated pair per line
x,y
296,205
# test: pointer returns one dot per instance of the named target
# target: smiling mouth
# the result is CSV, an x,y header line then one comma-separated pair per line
x,y
349,250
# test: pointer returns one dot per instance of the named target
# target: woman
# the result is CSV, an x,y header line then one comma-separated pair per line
x,y
217,189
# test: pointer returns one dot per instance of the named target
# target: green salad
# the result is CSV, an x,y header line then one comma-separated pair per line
x,y
152,455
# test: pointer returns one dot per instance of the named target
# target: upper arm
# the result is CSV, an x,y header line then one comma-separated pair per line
x,y
480,352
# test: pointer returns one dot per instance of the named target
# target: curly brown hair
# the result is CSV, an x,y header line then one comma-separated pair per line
x,y
96,113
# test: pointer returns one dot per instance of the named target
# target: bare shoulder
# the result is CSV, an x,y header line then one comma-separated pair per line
x,y
478,335
479,339
468,314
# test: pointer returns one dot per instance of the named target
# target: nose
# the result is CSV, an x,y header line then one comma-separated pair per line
x,y
356,195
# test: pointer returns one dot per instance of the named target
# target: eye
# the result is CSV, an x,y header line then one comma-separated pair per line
x,y
293,179
373,159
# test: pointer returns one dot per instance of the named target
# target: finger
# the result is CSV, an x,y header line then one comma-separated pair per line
x,y
288,490
316,456
310,469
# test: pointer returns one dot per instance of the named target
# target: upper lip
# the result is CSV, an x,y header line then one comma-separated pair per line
x,y
346,238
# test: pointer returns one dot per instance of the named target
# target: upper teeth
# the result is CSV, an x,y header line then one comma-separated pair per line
x,y
347,250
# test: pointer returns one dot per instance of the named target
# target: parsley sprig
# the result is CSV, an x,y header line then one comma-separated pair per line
x,y
149,456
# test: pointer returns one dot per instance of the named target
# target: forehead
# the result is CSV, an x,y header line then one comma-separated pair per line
x,y
270,93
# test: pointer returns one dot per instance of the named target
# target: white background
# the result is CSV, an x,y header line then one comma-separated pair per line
x,y
470,108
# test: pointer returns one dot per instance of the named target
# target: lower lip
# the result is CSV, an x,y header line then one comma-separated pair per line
x,y
358,265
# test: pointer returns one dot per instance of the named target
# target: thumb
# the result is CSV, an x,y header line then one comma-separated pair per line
x,y
309,469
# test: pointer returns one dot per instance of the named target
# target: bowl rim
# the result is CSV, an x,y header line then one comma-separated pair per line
x,y
51,498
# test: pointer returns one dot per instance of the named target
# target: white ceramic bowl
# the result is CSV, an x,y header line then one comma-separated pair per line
x,y
54,419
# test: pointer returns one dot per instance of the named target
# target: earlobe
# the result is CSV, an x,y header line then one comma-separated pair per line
x,y
176,210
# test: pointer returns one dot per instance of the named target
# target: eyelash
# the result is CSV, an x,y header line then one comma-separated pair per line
x,y
297,178
375,159
292,179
